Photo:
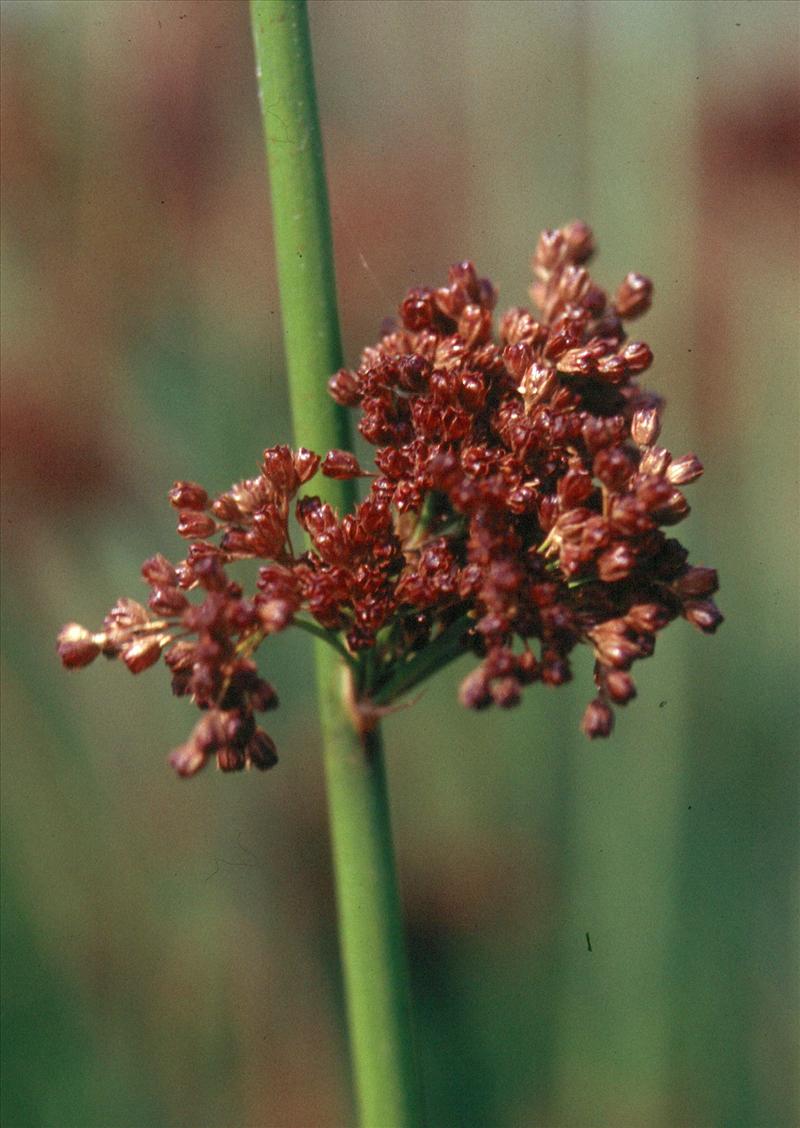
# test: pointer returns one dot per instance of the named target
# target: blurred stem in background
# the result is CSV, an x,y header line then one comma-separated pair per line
x,y
371,933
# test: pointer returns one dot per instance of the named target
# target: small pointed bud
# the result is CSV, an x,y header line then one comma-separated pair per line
x,y
76,646
473,692
506,692
684,470
225,508
703,614
306,464
275,615
140,654
655,461
634,295
646,426
647,618
261,752
696,582
159,572
619,686
343,387
230,759
598,719
187,759
341,464
579,239
188,495
168,601
637,356
615,564
194,525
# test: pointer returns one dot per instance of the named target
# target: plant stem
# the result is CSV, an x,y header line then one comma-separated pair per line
x,y
371,935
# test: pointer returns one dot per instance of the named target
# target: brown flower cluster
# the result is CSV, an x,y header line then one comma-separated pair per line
x,y
518,509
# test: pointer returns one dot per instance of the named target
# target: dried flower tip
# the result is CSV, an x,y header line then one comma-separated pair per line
x,y
634,296
646,426
341,464
598,719
684,470
76,646
188,495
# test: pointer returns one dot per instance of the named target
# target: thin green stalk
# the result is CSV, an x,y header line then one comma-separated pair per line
x,y
371,936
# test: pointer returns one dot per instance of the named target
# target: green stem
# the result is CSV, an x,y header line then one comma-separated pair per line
x,y
371,935
433,657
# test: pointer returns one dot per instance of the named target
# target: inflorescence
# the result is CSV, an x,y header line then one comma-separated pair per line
x,y
517,509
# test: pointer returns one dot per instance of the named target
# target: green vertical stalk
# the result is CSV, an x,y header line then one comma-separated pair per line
x,y
371,936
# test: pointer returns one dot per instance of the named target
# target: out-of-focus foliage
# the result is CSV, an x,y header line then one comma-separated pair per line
x,y
169,948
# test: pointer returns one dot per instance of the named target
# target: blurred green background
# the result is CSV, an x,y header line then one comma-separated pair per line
x,y
169,949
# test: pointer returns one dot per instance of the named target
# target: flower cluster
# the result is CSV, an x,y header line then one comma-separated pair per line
x,y
517,509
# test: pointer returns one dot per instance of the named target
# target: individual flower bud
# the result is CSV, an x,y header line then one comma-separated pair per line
x,y
188,495
125,615
647,618
187,759
76,646
634,296
646,426
277,466
598,719
655,461
343,387
703,614
275,615
159,572
261,752
613,467
473,692
305,464
696,582
140,654
637,356
225,508
619,686
263,697
230,758
505,692
575,487
475,325
681,471
238,727
194,525
168,601
615,564
341,464
181,656
579,239
538,384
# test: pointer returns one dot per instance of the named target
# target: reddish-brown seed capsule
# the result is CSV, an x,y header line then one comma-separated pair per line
x,y
341,464
194,525
76,647
188,495
634,296
598,719
140,654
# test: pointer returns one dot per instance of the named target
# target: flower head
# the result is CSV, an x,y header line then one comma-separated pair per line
x,y
517,509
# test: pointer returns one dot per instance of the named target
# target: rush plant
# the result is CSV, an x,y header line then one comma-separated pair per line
x,y
516,508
